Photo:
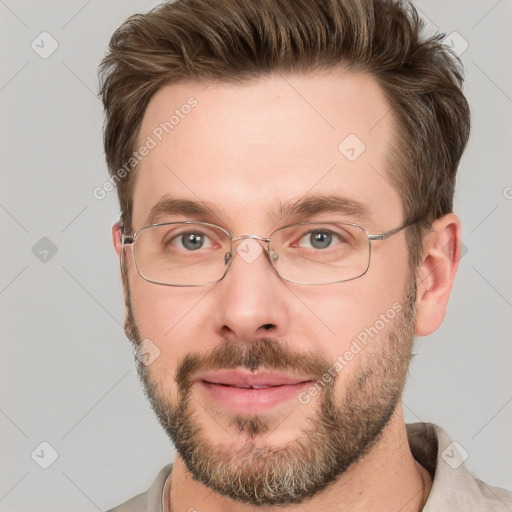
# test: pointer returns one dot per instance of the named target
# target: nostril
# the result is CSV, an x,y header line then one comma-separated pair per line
x,y
268,326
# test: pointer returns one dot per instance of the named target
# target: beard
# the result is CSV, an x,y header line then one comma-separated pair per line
x,y
343,428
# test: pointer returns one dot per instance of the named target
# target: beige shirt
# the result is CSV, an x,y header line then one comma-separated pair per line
x,y
454,488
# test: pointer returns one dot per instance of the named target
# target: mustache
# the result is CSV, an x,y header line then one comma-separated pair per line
x,y
268,353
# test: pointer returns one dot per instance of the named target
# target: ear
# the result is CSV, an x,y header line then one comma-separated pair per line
x,y
117,230
435,276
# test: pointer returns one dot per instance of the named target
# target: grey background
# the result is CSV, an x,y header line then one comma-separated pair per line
x,y
67,371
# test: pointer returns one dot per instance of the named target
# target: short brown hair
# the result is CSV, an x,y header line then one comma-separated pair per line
x,y
238,40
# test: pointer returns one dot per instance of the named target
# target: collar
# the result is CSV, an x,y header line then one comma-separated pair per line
x,y
454,488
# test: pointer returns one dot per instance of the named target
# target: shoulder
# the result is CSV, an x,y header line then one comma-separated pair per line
x,y
135,504
149,501
495,498
455,487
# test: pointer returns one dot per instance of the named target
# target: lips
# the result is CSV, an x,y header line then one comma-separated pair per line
x,y
244,392
248,380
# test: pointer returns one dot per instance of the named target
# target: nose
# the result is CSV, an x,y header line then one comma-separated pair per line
x,y
252,299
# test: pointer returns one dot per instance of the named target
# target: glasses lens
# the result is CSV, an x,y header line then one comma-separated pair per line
x,y
320,253
181,253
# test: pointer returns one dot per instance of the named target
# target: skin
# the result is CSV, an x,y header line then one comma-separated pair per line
x,y
245,148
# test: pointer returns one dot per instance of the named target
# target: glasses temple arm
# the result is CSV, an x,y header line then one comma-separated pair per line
x,y
127,239
387,234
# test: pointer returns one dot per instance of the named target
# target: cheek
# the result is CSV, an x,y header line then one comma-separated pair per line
x,y
358,317
160,311
346,310
161,318
163,315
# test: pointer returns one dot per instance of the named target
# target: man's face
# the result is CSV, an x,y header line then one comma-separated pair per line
x,y
248,149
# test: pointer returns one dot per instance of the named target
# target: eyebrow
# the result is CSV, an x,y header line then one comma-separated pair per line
x,y
315,204
300,209
169,206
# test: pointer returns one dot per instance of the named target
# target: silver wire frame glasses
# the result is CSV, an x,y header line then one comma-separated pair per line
x,y
190,253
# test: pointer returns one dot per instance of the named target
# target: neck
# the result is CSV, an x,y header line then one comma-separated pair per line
x,y
386,479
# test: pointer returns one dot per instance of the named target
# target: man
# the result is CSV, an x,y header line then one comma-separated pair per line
x,y
286,171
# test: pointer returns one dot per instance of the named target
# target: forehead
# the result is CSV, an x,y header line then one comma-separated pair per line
x,y
248,149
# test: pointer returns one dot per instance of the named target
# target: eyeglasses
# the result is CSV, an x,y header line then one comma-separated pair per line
x,y
190,253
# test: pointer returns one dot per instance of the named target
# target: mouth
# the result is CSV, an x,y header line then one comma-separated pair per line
x,y
244,391
248,379
248,386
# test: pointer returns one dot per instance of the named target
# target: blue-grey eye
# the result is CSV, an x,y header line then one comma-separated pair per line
x,y
192,241
320,239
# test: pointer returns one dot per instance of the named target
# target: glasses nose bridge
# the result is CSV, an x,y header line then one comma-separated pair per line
x,y
251,237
